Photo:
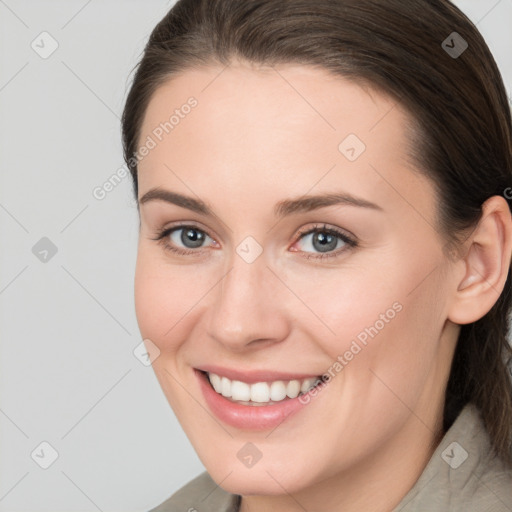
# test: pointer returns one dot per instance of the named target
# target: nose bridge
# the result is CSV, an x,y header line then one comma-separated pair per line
x,y
245,305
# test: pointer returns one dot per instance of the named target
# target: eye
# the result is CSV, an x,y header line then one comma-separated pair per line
x,y
191,237
188,240
325,240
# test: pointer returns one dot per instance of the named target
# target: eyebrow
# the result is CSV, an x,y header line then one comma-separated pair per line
x,y
281,209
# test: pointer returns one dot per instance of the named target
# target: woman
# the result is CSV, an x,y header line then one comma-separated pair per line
x,y
323,272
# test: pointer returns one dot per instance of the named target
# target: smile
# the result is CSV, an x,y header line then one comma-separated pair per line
x,y
264,393
265,402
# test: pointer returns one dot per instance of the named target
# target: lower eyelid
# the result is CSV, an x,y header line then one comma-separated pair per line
x,y
348,241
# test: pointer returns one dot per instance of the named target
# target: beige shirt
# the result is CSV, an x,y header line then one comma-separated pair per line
x,y
462,475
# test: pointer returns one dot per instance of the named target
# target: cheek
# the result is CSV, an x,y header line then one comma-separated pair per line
x,y
402,355
166,300
164,296
346,304
170,301
381,321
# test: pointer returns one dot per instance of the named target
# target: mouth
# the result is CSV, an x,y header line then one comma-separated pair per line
x,y
259,404
261,393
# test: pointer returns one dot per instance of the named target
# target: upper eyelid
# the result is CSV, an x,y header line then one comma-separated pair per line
x,y
317,227
184,226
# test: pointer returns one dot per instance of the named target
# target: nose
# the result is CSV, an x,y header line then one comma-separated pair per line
x,y
249,307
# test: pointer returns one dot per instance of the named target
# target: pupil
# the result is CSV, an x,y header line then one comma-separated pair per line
x,y
192,235
326,242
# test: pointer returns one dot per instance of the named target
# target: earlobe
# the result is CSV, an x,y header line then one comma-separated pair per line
x,y
485,265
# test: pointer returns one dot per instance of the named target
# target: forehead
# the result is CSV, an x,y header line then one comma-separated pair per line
x,y
282,127
305,99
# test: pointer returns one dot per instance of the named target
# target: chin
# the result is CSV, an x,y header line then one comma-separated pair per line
x,y
250,485
265,480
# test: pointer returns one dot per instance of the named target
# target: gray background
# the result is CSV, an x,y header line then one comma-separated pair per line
x,y
68,373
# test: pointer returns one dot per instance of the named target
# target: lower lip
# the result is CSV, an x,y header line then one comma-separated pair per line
x,y
252,417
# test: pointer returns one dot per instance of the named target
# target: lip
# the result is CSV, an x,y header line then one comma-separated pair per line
x,y
253,376
249,417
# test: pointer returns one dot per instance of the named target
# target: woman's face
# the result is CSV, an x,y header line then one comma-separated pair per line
x,y
263,158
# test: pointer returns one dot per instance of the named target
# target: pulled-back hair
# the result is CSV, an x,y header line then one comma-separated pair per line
x,y
457,103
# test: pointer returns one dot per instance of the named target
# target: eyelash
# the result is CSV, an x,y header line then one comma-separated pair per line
x,y
350,243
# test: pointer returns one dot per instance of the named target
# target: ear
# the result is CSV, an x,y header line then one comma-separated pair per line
x,y
486,263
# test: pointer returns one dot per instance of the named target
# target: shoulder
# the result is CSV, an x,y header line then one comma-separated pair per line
x,y
490,486
463,474
200,494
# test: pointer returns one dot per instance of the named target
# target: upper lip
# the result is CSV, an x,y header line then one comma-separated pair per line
x,y
251,376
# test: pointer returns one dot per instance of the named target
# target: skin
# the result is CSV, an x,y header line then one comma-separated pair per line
x,y
259,136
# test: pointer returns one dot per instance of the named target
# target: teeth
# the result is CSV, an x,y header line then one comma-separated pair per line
x,y
307,384
293,388
260,392
225,387
278,390
216,382
239,390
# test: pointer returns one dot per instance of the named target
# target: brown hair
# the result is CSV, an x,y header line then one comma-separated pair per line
x,y
458,104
